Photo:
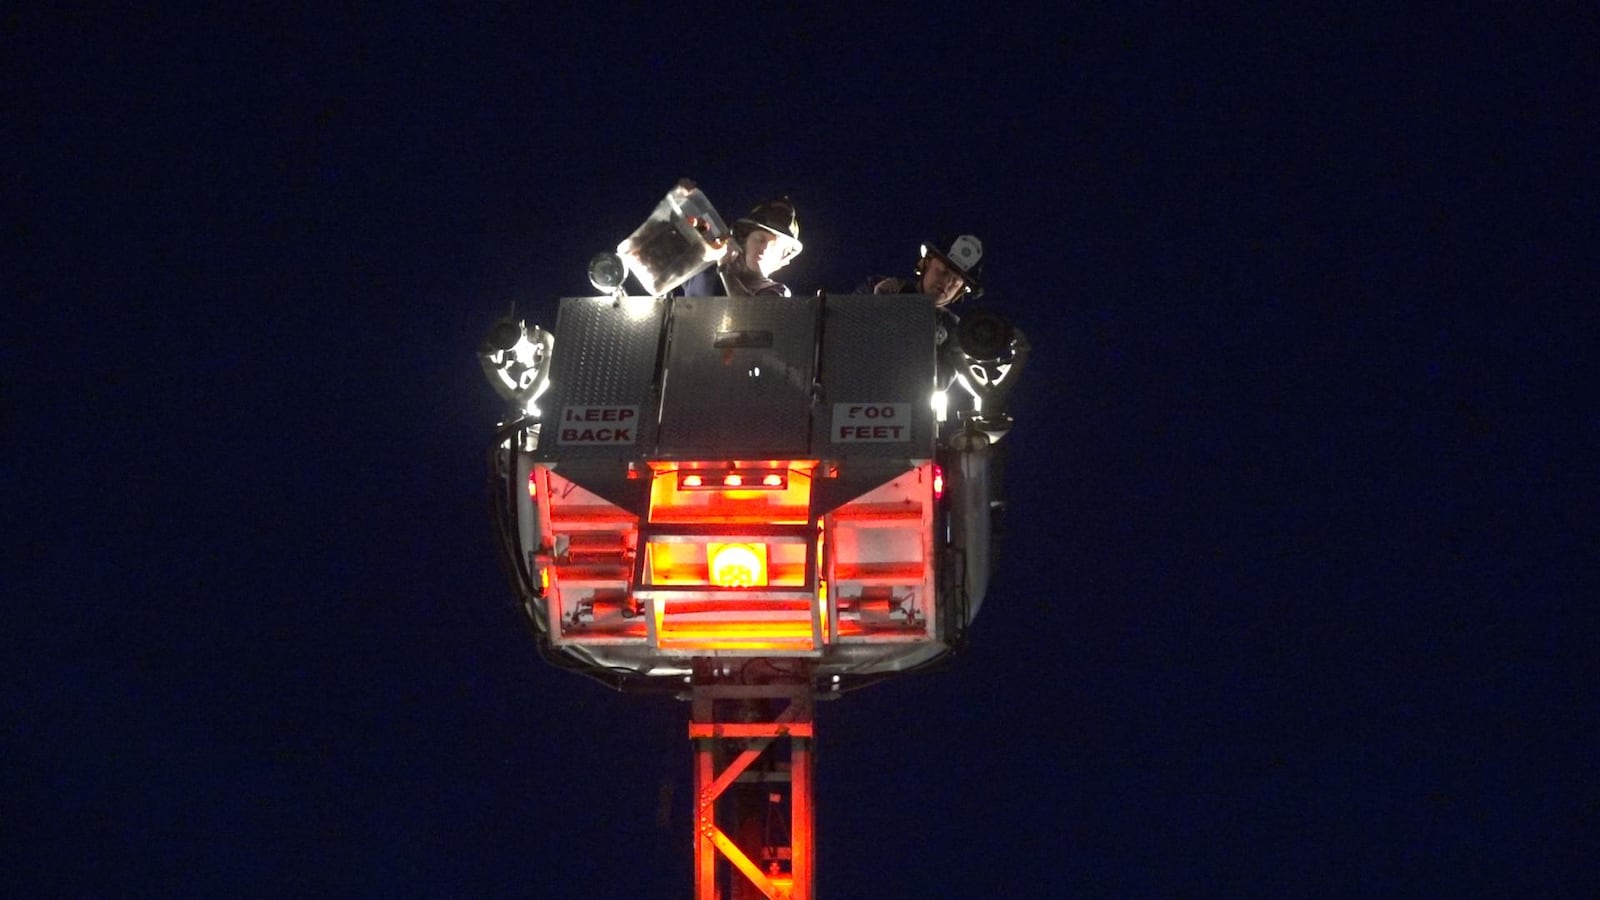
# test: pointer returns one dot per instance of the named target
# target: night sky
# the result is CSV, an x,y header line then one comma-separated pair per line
x,y
1297,590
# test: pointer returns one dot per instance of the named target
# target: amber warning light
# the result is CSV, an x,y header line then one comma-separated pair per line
x,y
737,565
744,479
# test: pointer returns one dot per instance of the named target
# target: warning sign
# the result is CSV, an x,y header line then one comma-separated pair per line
x,y
880,423
598,425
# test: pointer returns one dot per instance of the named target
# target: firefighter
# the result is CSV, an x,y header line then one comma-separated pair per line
x,y
764,241
946,271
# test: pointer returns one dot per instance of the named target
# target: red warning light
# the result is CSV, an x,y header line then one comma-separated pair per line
x,y
732,479
692,481
938,482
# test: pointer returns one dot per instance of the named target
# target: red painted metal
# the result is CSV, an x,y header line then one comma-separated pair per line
x,y
752,730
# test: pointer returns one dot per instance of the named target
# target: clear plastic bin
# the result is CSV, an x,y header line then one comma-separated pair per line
x,y
683,236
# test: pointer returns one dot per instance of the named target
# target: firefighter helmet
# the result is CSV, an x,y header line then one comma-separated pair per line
x,y
776,216
961,252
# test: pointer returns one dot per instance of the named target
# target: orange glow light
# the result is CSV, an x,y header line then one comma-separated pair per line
x,y
729,497
533,487
745,636
737,565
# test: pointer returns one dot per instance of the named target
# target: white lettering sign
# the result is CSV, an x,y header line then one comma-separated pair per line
x,y
598,425
880,423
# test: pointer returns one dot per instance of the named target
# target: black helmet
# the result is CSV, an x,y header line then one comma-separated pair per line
x,y
961,252
776,216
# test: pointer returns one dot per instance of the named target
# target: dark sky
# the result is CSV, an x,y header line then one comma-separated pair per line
x,y
1297,591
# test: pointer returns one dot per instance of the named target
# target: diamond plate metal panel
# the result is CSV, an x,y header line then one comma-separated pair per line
x,y
601,402
877,367
739,376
